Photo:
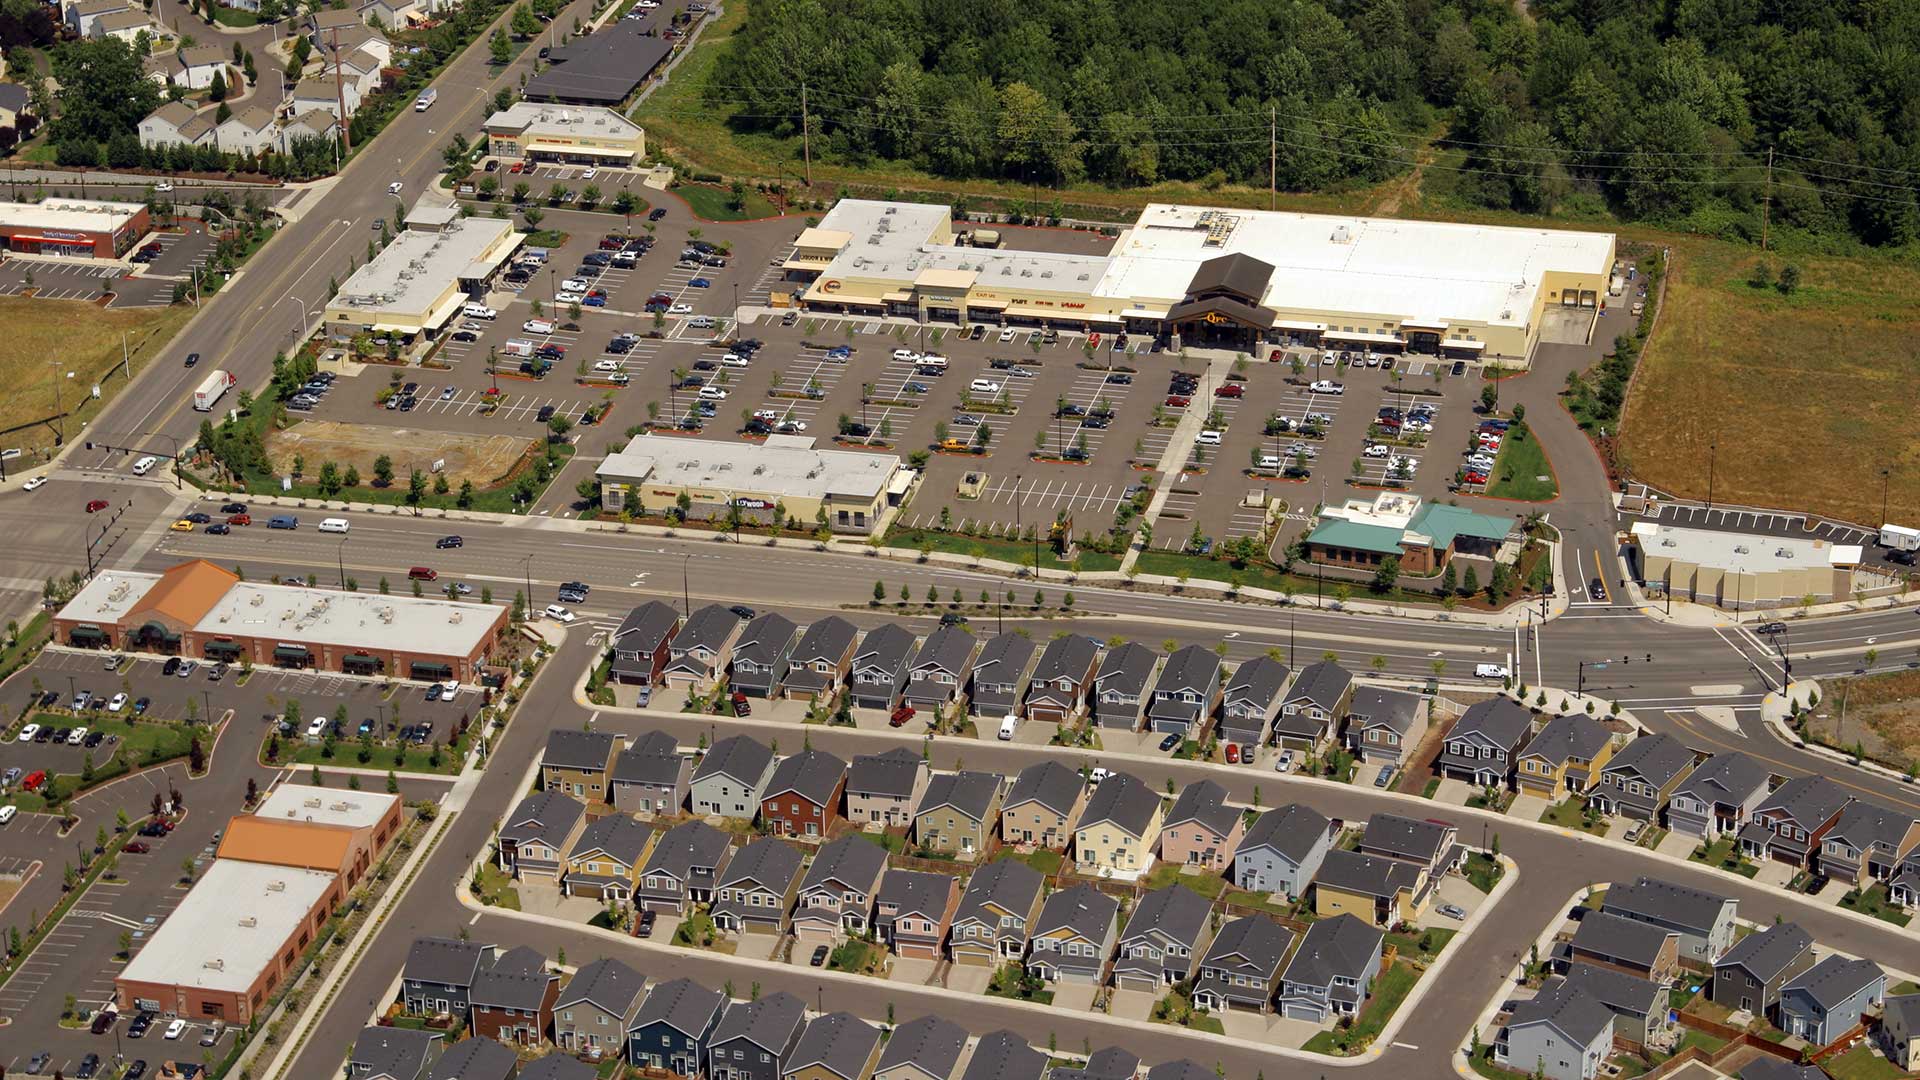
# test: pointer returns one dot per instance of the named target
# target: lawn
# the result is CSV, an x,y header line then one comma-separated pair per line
x,y
495,888
86,339
1013,551
1165,873
1044,860
139,745
227,16
1521,470
1570,813
26,646
1861,1063
716,204
1723,854
1484,871
346,754
1388,991
1010,981
1695,1037
1874,902
1821,379
1424,946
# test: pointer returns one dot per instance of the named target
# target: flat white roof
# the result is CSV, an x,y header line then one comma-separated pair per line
x,y
71,215
893,241
228,926
783,465
109,596
1430,270
1742,553
543,120
325,806
417,268
302,616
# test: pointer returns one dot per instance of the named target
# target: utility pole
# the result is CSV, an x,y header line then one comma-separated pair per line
x,y
339,89
806,133
1766,200
1273,155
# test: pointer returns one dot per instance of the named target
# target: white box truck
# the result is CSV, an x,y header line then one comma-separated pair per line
x,y
216,384
426,99
1899,538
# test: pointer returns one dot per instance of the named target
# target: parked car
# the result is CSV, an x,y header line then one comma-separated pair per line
x,y
176,1029
900,716
818,959
1169,742
137,1027
644,926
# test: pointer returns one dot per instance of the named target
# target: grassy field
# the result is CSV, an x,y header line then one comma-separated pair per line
x,y
1861,1063
1522,471
1818,385
1567,814
1725,855
1388,991
1013,551
711,203
86,341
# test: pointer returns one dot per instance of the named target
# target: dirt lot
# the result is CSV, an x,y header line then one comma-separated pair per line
x,y
1882,714
86,340
484,459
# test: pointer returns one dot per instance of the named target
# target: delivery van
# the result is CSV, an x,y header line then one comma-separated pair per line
x,y
334,525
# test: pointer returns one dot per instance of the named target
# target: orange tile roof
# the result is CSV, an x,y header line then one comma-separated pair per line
x,y
184,593
302,844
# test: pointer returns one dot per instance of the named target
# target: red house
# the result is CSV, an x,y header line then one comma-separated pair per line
x,y
641,645
513,1000
803,795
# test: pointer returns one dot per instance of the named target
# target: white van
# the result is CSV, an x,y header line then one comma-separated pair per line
x,y
1490,671
936,363
478,311
145,465
1007,725
538,326
334,525
606,365
7,812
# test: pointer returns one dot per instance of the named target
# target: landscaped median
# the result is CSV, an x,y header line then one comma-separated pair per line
x,y
129,744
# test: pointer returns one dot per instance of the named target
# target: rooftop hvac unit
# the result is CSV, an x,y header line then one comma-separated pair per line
x,y
276,886
343,806
1082,277
1024,272
884,225
1669,542
1342,235
1046,273
758,469
1784,553
1740,549
250,921
313,803
215,964
454,618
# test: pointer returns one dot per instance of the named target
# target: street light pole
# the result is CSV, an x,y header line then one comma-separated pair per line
x,y
340,561
686,590
1711,447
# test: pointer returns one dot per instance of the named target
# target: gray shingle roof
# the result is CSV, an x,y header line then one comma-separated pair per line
x,y
1406,838
1769,952
543,815
893,773
13,97
1391,709
1322,684
1048,783
687,847
1008,884
618,835
1866,825
475,1059
971,793
946,649
1175,911
1083,909
1003,658
1835,979
1205,802
708,627
1656,758
839,1042
769,1023
1567,1008
1291,830
1066,657
931,1043
1123,799
1107,1063
1191,668
1620,938
886,647
1366,875
606,983
766,862
828,639
916,892
1725,778
812,774
1568,738
518,980
558,1066
1258,680
654,758
738,758
1500,721
1335,946
572,749
764,638
1002,1055
1261,941
1808,800
1617,989
683,1005
1182,1069
1126,669
396,1052
1652,899
645,627
852,861
445,961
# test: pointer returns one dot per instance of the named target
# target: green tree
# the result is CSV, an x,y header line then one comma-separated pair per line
x,y
525,23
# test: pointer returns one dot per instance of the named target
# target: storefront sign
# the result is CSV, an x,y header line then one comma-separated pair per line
x,y
753,504
1215,318
830,285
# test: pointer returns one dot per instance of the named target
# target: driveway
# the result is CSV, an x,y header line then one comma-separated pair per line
x,y
1130,1004
1073,997
1678,845
1775,873
1456,792
1528,807
756,946
969,978
1275,1029
912,971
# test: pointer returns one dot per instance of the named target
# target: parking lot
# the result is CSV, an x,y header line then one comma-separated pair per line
x,y
82,281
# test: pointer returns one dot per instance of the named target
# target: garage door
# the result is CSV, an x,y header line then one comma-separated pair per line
x,y
1301,1011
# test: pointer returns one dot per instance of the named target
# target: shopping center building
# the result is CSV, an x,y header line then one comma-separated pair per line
x,y
785,475
417,283
76,228
1221,278
569,134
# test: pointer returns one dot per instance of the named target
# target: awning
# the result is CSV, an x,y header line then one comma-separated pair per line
x,y
291,652
1425,324
1463,343
1354,335
589,151
87,632
986,305
75,241
222,649
896,297
427,670
1293,324
1142,313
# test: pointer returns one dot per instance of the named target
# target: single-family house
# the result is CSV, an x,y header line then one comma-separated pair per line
x,y
596,1007
1790,823
762,655
1241,968
390,1053
1868,843
939,670
249,131
1430,844
1704,920
176,124
1312,706
1057,690
1629,945
194,67
1283,850
558,1067
1384,727
999,675
913,911
579,762
837,893
475,1059
672,1027
15,104
731,779
1202,829
1185,693
1640,777
754,1039
1167,933
1120,827
1564,757
1825,1002
1639,1006
1251,700
1120,688
1900,1031
1373,888
536,837
821,661
1073,935
1903,888
603,863
957,812
757,889
1718,797
1004,1055
996,912
306,126
699,653
927,1048
82,14
1749,976
882,789
1561,1033
124,26
652,776
683,868
322,94
513,1000
1332,971
837,1046
880,666
1484,742
803,796
642,643
437,978
1046,798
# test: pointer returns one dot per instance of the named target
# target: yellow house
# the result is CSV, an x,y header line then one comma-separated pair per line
x,y
1567,756
1120,828
1375,889
605,862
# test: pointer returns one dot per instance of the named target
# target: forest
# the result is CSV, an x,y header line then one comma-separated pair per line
x,y
1688,114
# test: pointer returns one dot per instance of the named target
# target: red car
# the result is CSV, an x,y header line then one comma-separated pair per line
x,y
1476,478
1233,753
901,715
1230,390
34,780
518,166
96,505
239,519
1093,339
137,847
1178,402
612,243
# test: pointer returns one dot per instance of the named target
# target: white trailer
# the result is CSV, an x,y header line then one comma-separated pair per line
x,y
216,384
1899,538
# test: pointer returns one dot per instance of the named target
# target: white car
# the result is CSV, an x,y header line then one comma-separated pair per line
x,y
984,386
559,614
907,355
568,297
27,733
713,393
573,285
78,735
606,365
791,427
768,415
1269,461
119,702
176,1029
163,186
1375,450
1483,461
394,188
1007,334
1401,462
1208,438
680,309
7,812
1327,386
1490,671
34,484
590,174
734,360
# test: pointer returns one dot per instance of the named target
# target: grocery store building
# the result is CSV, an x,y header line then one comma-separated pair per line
x,y
200,610
1743,570
74,228
416,284
574,134
1220,278
783,474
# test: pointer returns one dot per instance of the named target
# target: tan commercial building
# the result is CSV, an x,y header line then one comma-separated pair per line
x,y
417,283
316,828
573,134
1236,279
784,475
1741,570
